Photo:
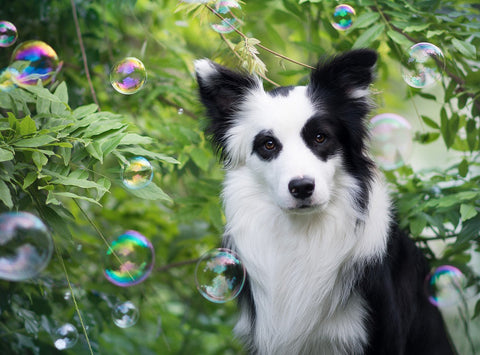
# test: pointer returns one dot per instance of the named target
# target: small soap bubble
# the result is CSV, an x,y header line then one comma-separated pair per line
x,y
8,34
129,260
125,314
391,140
343,17
224,7
65,337
128,76
219,275
26,246
423,65
230,23
180,111
137,173
445,286
42,62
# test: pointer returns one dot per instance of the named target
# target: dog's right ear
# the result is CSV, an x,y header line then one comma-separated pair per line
x,y
222,91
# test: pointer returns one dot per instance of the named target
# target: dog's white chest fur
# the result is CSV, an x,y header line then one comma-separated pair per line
x,y
301,266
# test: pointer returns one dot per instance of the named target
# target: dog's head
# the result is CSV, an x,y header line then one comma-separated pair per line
x,y
294,139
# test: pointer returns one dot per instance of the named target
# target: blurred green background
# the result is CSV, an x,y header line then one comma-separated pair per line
x,y
167,37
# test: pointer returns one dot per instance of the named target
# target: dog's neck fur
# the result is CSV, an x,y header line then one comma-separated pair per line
x,y
304,264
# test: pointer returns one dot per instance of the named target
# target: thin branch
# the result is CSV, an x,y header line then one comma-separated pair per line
x,y
84,55
177,264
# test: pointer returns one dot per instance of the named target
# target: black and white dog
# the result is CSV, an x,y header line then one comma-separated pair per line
x,y
309,214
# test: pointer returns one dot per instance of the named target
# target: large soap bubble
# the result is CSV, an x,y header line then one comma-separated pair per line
x,y
26,246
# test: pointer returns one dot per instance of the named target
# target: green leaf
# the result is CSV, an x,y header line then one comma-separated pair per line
x,y
466,49
370,35
398,38
29,179
75,196
151,192
5,155
146,153
471,134
365,20
429,122
35,141
201,158
5,195
82,183
467,211
39,159
83,111
133,138
27,126
417,225
476,313
463,168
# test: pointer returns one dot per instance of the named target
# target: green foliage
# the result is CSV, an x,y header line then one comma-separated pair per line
x,y
61,155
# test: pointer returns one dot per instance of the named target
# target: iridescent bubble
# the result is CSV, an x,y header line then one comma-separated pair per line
x,y
42,62
128,76
219,275
8,34
445,286
129,260
65,337
223,7
137,173
180,111
26,246
230,23
423,65
391,140
343,17
125,314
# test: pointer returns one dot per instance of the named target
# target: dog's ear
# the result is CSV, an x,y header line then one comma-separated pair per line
x,y
347,75
222,91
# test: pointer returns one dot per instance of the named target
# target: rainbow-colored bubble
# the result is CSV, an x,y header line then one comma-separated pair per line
x,y
343,17
228,24
128,76
125,314
137,173
8,34
129,259
43,63
423,65
391,140
445,286
219,275
26,246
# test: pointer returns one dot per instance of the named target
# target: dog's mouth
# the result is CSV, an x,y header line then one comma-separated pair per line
x,y
305,208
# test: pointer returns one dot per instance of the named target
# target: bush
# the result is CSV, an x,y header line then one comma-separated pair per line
x,y
62,148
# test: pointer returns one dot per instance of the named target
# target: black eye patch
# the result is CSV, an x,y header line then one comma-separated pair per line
x,y
319,136
266,145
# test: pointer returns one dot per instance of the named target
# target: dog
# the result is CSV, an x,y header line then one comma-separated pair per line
x,y
307,211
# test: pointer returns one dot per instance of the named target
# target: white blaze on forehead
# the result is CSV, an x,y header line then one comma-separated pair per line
x,y
282,114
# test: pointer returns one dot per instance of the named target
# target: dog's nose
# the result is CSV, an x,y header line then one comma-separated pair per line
x,y
301,188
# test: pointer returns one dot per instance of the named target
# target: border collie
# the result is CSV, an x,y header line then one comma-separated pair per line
x,y
309,215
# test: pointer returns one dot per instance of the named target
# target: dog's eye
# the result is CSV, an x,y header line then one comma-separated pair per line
x,y
269,145
320,138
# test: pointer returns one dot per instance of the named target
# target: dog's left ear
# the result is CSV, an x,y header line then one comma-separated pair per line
x,y
348,74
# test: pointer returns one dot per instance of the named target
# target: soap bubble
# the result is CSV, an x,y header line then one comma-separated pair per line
x,y
445,286
228,24
129,260
423,65
180,111
26,246
137,173
391,140
224,7
219,275
8,34
125,314
65,337
128,76
343,17
43,63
